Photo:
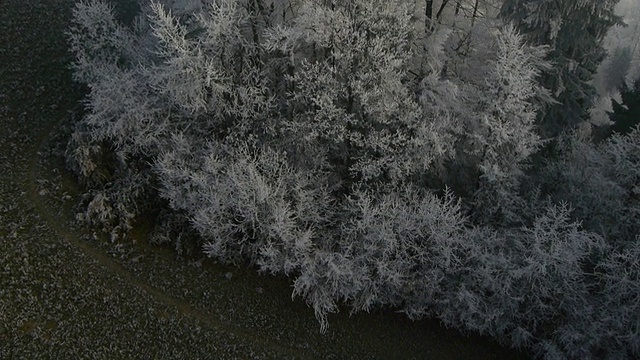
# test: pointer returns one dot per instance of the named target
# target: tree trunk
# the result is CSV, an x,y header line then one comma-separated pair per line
x,y
428,16
442,6
475,13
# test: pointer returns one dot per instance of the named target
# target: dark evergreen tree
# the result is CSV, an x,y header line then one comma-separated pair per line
x,y
574,29
626,114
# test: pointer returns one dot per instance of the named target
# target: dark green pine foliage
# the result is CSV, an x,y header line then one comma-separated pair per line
x,y
626,114
574,30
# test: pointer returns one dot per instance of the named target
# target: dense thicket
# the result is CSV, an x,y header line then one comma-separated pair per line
x,y
377,158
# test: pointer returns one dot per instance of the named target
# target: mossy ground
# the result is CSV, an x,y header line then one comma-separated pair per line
x,y
66,292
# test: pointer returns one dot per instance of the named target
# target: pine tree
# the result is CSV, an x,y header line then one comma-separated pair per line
x,y
499,108
575,30
626,114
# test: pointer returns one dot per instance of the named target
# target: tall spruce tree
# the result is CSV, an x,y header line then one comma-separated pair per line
x,y
626,114
574,29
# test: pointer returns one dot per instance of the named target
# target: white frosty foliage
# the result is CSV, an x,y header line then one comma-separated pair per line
x,y
352,87
247,203
602,183
321,140
98,41
504,136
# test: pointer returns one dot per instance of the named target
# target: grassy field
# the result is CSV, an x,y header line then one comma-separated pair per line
x,y
66,292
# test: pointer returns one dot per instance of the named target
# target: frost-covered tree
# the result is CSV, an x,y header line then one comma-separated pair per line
x,y
503,136
497,107
124,121
247,203
159,77
600,182
617,312
98,41
574,30
353,92
501,273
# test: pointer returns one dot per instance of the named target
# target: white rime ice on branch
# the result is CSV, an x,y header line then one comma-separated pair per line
x,y
336,143
353,89
505,136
